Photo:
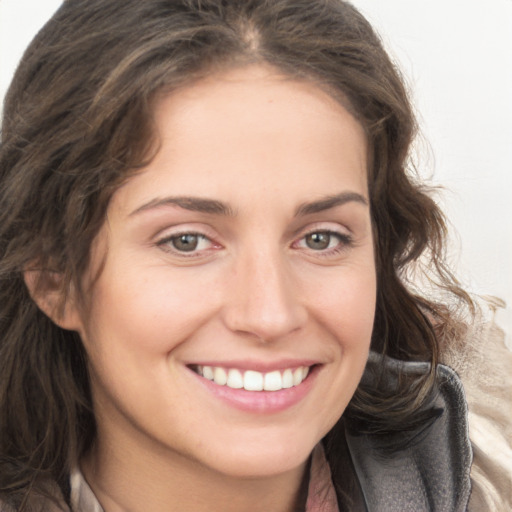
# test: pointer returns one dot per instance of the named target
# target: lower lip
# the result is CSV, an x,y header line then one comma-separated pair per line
x,y
261,402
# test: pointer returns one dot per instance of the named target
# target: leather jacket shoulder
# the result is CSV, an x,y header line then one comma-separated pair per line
x,y
425,467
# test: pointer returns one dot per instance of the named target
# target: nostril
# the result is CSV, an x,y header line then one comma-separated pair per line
x,y
265,323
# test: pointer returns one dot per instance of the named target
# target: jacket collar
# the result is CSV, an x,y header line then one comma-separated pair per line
x,y
425,468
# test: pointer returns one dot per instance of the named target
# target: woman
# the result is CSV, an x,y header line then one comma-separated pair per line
x,y
207,223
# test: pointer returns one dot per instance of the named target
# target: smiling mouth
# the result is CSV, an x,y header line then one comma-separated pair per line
x,y
251,380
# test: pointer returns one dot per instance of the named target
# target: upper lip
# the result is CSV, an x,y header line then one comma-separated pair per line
x,y
259,366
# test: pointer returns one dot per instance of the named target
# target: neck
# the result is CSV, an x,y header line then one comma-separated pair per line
x,y
138,480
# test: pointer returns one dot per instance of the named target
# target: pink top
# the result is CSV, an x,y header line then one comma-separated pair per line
x,y
321,494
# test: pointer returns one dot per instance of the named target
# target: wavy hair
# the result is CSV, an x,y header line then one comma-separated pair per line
x,y
77,124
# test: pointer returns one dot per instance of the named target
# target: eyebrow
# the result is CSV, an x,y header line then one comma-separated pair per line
x,y
329,202
215,207
195,204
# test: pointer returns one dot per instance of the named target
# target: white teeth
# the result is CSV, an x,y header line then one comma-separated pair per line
x,y
287,379
235,379
273,381
219,376
207,372
297,376
251,380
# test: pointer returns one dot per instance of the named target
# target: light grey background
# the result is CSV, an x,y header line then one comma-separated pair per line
x,y
457,59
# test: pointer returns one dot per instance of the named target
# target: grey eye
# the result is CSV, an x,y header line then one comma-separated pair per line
x,y
319,240
186,243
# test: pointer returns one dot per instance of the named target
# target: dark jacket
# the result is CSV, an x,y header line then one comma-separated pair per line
x,y
424,467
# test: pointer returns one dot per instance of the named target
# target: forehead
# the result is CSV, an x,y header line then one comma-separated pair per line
x,y
236,130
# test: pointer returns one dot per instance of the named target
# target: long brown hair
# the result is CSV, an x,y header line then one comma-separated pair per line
x,y
77,123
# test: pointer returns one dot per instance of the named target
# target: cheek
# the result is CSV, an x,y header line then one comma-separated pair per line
x,y
345,305
149,312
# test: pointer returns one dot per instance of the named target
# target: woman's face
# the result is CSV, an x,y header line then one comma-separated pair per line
x,y
242,253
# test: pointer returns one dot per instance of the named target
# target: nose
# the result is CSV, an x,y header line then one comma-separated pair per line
x,y
262,298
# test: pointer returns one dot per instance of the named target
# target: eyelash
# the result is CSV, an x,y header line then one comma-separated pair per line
x,y
344,241
167,243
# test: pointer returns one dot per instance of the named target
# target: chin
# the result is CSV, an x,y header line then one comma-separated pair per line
x,y
261,458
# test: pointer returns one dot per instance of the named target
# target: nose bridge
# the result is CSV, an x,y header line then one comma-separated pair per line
x,y
263,301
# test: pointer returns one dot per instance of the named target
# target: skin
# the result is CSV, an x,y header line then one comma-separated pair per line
x,y
254,290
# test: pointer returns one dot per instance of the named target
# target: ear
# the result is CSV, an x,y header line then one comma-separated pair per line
x,y
47,290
